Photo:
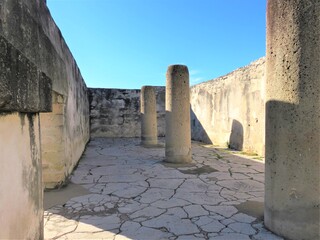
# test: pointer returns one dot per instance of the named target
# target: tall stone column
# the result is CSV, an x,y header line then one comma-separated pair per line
x,y
149,132
292,174
178,132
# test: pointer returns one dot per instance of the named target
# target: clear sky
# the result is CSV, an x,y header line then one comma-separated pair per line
x,y
130,43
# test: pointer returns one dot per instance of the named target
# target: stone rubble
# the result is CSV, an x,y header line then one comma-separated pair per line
x,y
133,194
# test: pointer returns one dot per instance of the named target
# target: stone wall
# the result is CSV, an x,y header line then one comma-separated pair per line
x,y
37,74
25,91
21,190
116,112
229,110
29,27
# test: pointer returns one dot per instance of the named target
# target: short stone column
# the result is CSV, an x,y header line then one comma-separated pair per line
x,y
292,170
149,132
178,132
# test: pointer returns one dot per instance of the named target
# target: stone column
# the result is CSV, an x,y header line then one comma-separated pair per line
x,y
149,132
178,132
292,174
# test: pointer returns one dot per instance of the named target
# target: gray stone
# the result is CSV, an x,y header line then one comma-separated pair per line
x,y
116,112
226,211
143,233
147,212
244,218
174,224
266,236
208,224
178,132
155,194
172,202
243,228
164,183
24,88
177,211
149,131
195,211
190,237
231,236
292,119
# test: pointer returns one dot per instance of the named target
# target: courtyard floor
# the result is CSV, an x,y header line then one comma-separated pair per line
x,y
121,190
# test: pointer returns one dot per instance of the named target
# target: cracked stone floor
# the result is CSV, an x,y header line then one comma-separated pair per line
x,y
121,190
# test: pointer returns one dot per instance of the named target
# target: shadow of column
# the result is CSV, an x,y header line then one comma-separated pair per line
x,y
198,133
236,136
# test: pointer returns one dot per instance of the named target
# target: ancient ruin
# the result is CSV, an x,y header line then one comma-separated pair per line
x,y
111,187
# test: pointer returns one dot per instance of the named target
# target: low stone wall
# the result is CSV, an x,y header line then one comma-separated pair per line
x,y
230,110
116,112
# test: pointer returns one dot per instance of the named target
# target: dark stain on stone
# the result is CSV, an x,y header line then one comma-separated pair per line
x,y
32,173
194,171
5,99
127,102
124,217
112,211
252,208
33,145
199,171
177,165
59,196
212,179
22,120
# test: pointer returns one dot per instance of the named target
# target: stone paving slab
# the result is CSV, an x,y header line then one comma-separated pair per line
x,y
130,193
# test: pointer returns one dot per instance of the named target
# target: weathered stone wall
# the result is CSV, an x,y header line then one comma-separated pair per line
x,y
230,110
116,112
227,111
21,189
25,90
29,27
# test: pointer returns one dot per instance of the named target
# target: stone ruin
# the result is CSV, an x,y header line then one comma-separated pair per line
x,y
270,107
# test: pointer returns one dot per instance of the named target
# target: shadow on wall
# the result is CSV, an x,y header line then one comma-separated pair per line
x,y
292,163
236,136
198,133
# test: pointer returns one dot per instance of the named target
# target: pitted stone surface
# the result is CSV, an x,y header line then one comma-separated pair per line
x,y
133,195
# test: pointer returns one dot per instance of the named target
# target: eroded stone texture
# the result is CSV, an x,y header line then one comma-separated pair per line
x,y
178,132
230,110
36,50
149,131
35,63
116,112
21,191
23,87
292,119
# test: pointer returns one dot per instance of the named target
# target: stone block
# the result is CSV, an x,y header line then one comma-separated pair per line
x,y
23,87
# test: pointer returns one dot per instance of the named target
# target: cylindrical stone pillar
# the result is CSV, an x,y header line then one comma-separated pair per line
x,y
292,170
178,132
149,132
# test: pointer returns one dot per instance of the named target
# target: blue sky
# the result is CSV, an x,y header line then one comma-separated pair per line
x,y
130,43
